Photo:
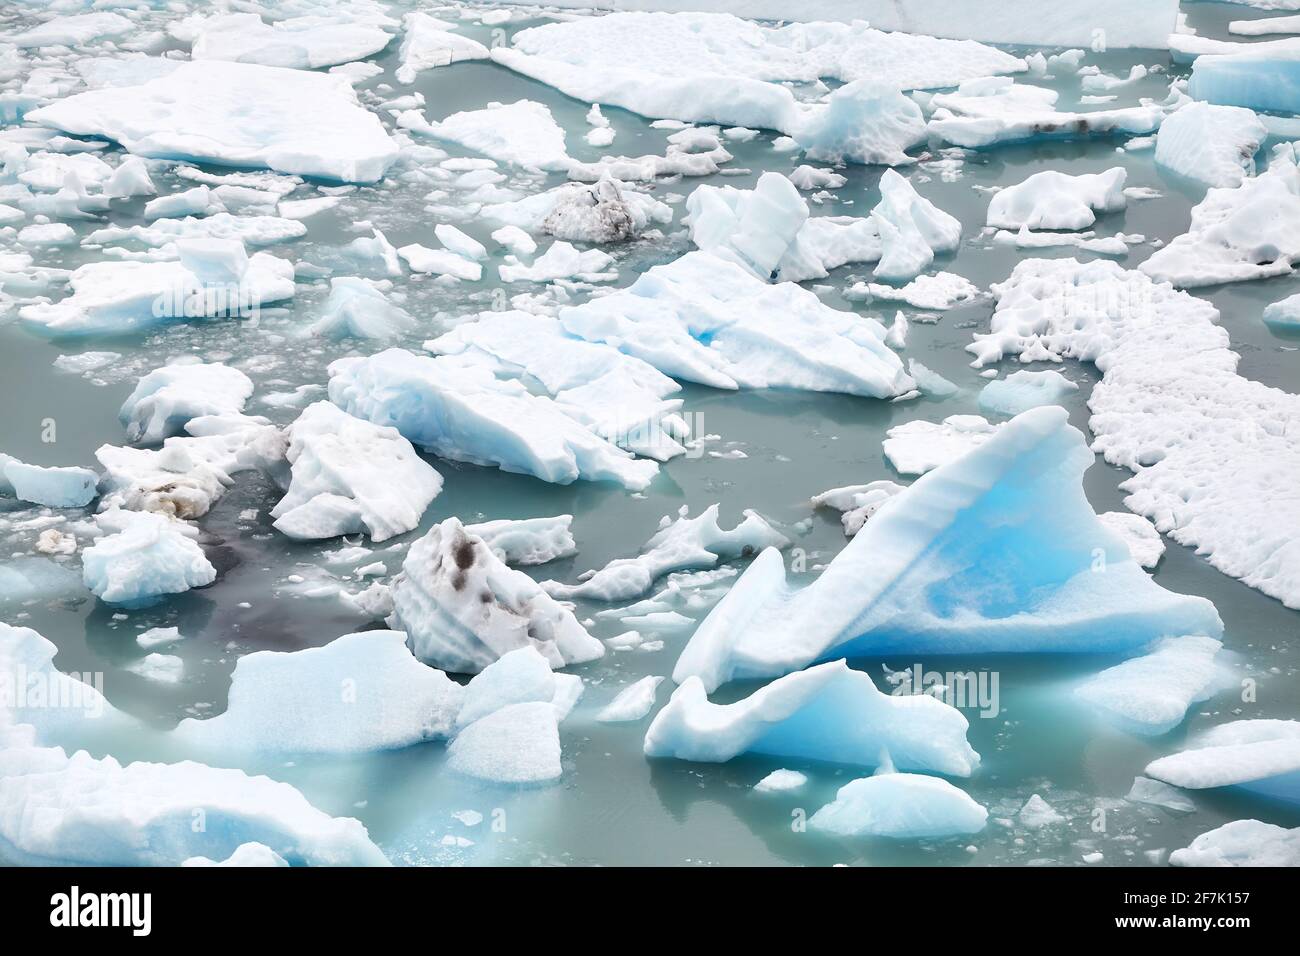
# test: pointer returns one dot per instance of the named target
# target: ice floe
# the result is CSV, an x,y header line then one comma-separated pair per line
x,y
632,702
465,413
828,713
1214,145
168,398
523,133
1251,231
1242,843
1150,694
358,693
919,446
64,486
1257,76
1021,391
302,43
1262,756
351,476
428,42
1054,200
462,608
358,308
921,576
306,123
142,557
1170,407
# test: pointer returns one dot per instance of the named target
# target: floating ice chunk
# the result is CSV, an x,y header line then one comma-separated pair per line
x,y
828,242
248,229
523,133
515,239
681,544
141,557
858,502
1249,232
807,178
1150,695
918,447
1242,843
197,201
1262,756
912,230
827,712
358,308
1284,313
79,810
999,112
1117,245
529,540
1037,813
1052,200
65,487
1157,794
1266,25
717,68
428,42
604,212
1138,534
619,397
246,854
47,235
358,693
307,123
116,297
304,208
518,744
947,568
780,781
440,262
462,608
1021,391
458,242
1214,145
632,703
161,668
1171,407
561,261
130,179
68,706
703,319
72,31
299,43
158,637
351,476
1256,76
930,382
866,121
37,579
520,676
900,806
168,398
935,293
467,414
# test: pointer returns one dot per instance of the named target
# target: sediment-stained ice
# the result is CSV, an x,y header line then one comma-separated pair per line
x,y
828,713
168,398
1251,231
947,568
1214,145
465,413
708,320
351,476
1262,756
527,541
900,806
1212,451
358,693
680,544
1150,695
305,122
462,608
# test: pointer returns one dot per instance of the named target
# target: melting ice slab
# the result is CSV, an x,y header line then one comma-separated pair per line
x,y
827,712
1242,843
902,806
236,114
1258,755
998,551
